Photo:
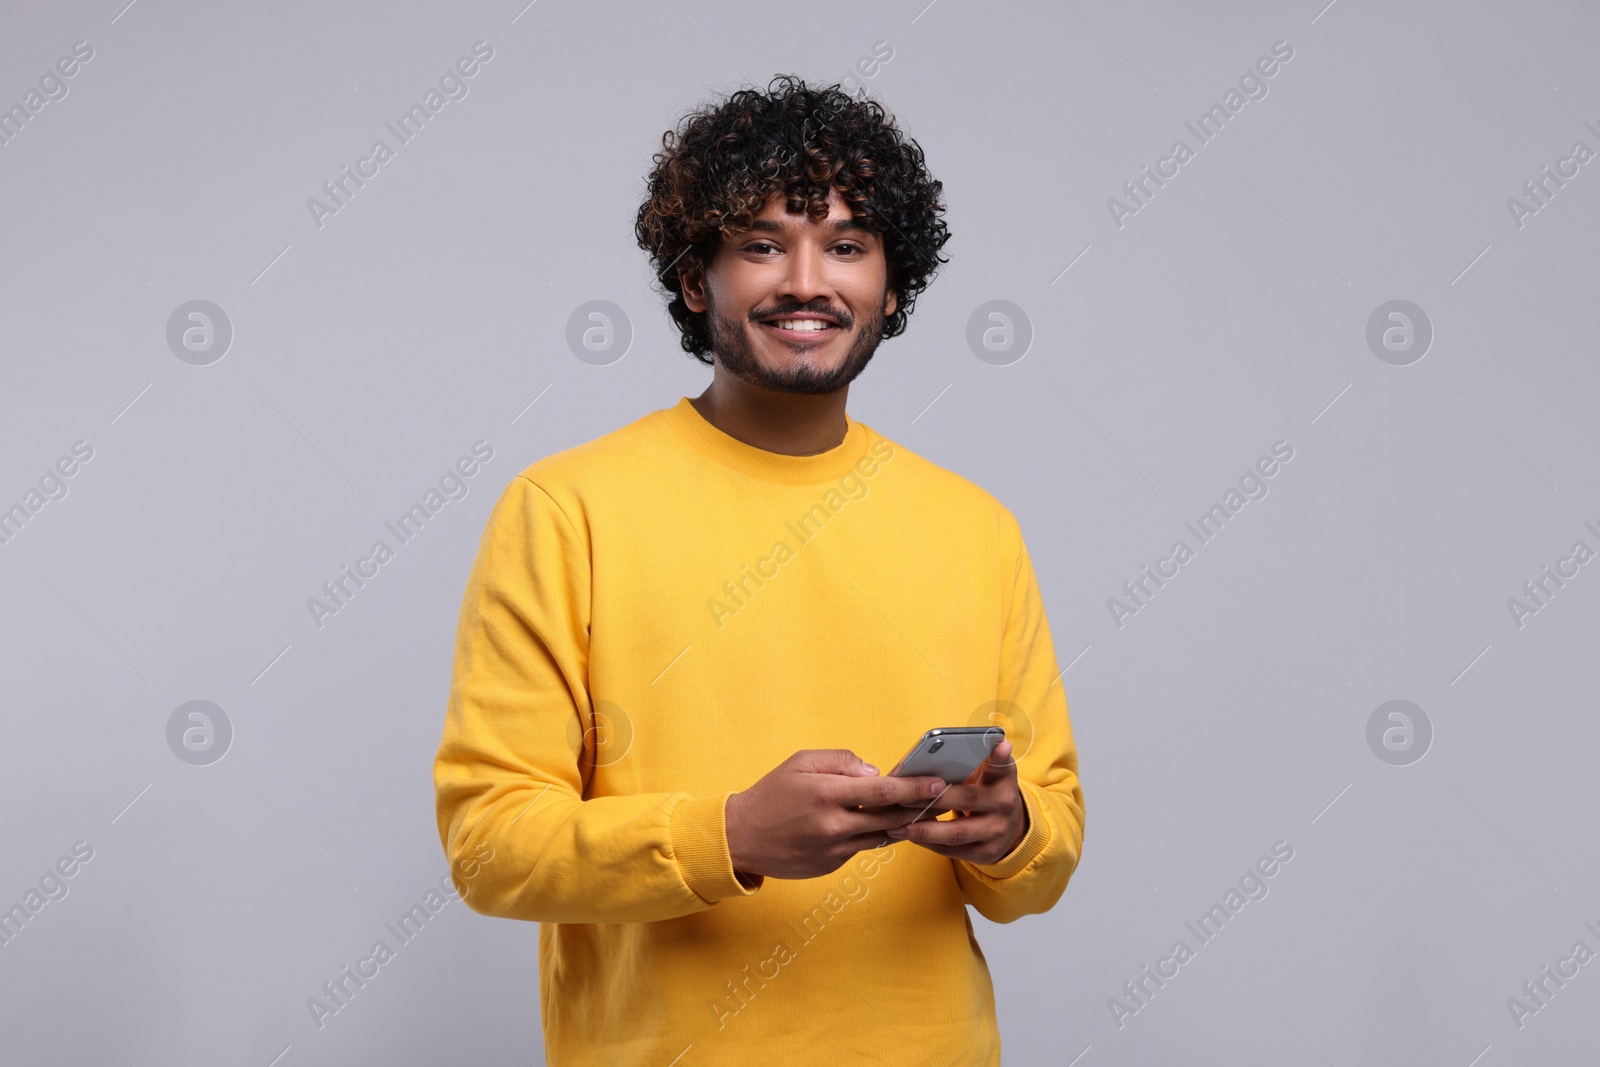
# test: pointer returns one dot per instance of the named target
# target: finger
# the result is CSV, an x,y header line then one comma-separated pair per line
x,y
877,836
984,852
833,761
894,812
970,833
999,763
879,820
885,790
870,839
975,797
996,776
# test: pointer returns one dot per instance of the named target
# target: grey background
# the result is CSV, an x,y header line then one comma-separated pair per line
x,y
1228,314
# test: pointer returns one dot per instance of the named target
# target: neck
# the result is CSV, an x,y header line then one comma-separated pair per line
x,y
791,424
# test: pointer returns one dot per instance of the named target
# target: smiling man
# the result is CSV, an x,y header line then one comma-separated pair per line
x,y
687,646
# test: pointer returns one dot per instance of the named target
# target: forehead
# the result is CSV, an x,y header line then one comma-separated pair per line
x,y
775,217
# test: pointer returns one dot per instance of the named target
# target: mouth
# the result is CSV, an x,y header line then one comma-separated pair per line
x,y
801,329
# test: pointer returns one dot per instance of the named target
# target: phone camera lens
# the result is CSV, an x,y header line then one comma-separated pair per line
x,y
936,745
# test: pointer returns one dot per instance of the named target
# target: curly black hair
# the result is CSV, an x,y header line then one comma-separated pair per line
x,y
717,171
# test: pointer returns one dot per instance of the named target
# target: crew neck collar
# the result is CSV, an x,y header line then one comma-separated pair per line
x,y
758,462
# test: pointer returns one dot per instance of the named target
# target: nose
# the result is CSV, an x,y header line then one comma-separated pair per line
x,y
805,274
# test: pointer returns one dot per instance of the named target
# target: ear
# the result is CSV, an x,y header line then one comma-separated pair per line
x,y
890,302
694,288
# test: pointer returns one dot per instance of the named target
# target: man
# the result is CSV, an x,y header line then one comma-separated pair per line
x,y
687,647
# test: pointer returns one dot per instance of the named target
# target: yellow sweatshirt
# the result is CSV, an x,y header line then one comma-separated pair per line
x,y
656,619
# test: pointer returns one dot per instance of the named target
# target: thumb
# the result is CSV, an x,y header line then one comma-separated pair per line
x,y
1000,762
838,761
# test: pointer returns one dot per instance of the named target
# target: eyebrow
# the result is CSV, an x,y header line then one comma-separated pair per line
x,y
839,226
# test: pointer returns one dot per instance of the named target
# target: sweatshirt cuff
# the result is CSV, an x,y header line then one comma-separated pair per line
x,y
1033,842
700,845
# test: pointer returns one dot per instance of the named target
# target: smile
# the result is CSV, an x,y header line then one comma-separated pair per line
x,y
801,329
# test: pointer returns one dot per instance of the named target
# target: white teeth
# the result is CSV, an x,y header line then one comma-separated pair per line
x,y
801,324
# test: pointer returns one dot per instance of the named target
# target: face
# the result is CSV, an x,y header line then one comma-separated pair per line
x,y
796,304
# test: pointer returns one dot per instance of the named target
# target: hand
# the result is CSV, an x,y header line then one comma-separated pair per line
x,y
805,818
991,819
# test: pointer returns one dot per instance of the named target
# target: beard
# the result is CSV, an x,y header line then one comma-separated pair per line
x,y
735,350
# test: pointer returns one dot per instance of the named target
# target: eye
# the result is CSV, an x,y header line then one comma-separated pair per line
x,y
849,247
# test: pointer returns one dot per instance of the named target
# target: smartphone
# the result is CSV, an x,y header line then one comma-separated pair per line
x,y
952,753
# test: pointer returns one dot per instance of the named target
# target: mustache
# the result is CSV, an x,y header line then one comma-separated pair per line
x,y
839,318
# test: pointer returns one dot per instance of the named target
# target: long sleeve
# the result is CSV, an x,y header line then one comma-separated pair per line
x,y
518,749
1031,703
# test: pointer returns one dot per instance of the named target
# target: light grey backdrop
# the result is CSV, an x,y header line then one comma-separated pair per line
x,y
1173,344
